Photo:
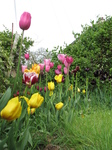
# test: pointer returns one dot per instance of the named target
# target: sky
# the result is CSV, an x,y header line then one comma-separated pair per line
x,y
53,21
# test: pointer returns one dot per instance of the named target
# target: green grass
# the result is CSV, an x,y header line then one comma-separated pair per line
x,y
91,131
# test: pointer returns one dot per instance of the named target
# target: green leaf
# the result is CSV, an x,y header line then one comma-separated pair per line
x,y
5,98
2,143
11,140
30,139
22,143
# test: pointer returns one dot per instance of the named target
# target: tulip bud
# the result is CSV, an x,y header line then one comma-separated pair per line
x,y
59,105
25,21
26,56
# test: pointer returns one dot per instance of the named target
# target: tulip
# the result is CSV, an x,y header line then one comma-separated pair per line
x,y
41,67
51,64
45,89
57,72
78,90
69,60
12,110
77,68
17,93
26,56
59,105
47,62
36,100
59,67
23,67
47,68
30,78
25,21
83,91
71,87
66,64
35,68
30,110
51,86
61,57
58,78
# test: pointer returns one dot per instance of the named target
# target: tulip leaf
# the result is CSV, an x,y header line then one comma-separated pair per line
x,y
22,143
2,143
5,98
11,141
30,139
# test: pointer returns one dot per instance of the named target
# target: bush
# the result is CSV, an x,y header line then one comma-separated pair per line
x,y
92,51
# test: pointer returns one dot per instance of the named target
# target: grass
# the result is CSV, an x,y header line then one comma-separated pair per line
x,y
91,130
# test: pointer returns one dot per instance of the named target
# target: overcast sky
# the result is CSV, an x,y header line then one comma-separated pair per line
x,y
53,20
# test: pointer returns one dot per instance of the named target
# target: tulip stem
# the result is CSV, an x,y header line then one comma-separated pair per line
x,y
18,63
76,87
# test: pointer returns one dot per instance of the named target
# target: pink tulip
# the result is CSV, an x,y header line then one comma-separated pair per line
x,y
59,67
25,21
51,64
46,61
41,67
47,68
69,60
66,64
57,72
23,67
26,56
65,70
61,57
30,78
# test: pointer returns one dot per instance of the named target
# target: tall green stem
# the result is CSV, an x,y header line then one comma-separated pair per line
x,y
18,67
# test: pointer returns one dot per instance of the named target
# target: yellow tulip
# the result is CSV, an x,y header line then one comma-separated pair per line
x,y
83,91
59,105
51,86
36,68
58,78
78,90
36,100
71,87
12,110
31,110
26,99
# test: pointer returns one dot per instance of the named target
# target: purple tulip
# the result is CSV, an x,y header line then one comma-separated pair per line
x,y
25,21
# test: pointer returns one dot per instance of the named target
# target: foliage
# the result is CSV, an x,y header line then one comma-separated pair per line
x,y
6,60
92,51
